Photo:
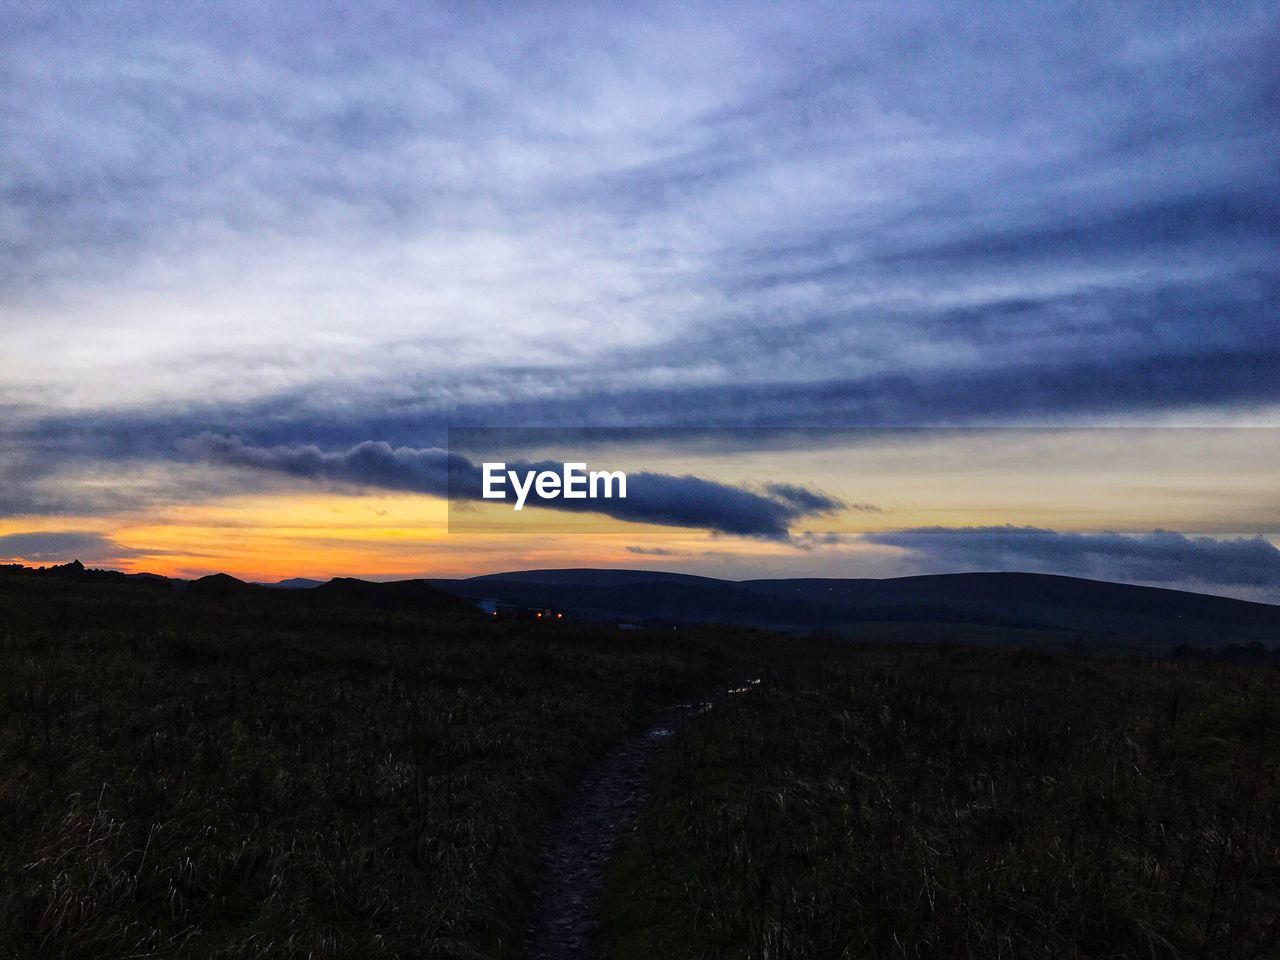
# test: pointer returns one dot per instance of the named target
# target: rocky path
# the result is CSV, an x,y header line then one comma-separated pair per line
x,y
579,846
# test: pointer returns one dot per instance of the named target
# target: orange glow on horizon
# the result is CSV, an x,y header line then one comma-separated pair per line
x,y
269,538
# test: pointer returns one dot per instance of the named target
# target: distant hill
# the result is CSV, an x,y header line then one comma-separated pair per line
x,y
579,576
417,595
293,583
1120,614
341,592
992,608
217,585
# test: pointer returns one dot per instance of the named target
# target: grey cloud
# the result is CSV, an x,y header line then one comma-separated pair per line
x,y
62,546
1242,220
664,499
1158,557
820,188
652,551
810,502
62,472
810,539
1124,382
371,463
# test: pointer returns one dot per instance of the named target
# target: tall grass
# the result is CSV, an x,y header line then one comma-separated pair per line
x,y
185,779
965,803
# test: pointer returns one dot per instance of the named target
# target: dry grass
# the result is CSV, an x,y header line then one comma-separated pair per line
x,y
194,779
965,803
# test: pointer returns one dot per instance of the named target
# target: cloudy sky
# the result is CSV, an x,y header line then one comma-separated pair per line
x,y
257,259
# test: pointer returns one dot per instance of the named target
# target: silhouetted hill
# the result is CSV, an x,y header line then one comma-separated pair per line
x,y
293,583
219,585
1037,600
1141,617
78,572
416,595
972,607
347,592
588,576
342,592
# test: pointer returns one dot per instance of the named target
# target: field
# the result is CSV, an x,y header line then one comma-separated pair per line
x,y
234,775
204,778
961,802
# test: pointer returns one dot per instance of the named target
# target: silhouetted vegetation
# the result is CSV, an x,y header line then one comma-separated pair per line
x,y
367,771
243,776
1246,653
965,803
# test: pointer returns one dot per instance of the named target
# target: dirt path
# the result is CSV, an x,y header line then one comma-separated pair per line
x,y
578,847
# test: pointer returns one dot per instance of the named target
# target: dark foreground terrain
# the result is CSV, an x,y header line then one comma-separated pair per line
x,y
1011,609
964,802
218,771
190,776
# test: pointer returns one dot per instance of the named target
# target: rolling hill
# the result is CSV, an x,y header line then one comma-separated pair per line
x,y
990,608
1133,616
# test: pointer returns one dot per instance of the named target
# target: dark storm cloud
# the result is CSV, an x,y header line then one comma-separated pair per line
x,y
1158,557
656,498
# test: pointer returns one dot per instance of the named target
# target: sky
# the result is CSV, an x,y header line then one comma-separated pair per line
x,y
257,260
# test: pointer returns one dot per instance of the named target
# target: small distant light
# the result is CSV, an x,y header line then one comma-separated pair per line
x,y
559,615
539,613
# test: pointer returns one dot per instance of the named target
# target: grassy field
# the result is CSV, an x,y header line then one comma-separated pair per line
x,y
199,778
964,803
245,776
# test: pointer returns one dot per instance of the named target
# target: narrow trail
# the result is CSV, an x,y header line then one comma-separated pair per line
x,y
579,846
